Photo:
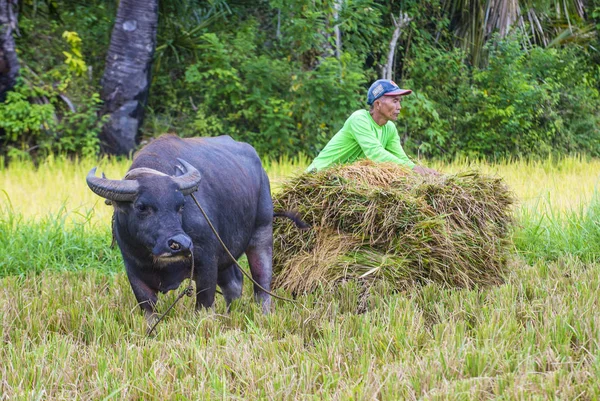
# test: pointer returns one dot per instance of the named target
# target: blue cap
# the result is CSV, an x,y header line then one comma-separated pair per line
x,y
384,87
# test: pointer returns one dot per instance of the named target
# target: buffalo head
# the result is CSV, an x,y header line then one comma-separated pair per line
x,y
148,209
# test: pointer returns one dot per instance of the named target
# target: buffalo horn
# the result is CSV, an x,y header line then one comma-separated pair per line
x,y
115,190
188,182
136,172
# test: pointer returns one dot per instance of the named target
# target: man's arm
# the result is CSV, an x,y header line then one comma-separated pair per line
x,y
366,138
395,148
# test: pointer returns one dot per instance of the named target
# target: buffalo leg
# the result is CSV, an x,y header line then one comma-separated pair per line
x,y
230,280
206,284
146,297
260,259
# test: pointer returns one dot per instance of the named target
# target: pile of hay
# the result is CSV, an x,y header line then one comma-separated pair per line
x,y
374,222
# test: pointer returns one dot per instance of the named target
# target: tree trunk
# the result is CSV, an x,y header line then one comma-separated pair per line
x,y
9,64
337,8
402,21
126,80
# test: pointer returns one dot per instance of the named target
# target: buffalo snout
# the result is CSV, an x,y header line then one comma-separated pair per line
x,y
179,243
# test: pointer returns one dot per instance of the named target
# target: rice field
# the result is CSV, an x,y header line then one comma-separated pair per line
x,y
71,329
59,184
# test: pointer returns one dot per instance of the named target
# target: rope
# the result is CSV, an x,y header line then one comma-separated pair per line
x,y
233,258
189,291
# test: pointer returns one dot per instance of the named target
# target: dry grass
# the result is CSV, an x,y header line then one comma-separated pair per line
x,y
381,222
77,336
565,184
59,184
56,185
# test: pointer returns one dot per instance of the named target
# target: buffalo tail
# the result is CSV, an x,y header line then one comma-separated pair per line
x,y
295,217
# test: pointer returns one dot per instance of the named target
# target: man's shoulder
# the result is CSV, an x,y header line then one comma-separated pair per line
x,y
361,113
359,117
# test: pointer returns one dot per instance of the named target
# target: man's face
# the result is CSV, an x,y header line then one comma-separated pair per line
x,y
389,107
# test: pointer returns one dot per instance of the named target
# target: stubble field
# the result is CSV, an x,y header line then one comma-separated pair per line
x,y
71,328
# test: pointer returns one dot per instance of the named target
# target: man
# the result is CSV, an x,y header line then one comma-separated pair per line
x,y
370,134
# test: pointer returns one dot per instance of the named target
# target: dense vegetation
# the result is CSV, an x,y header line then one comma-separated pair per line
x,y
267,72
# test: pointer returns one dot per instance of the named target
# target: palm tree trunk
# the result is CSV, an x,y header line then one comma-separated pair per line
x,y
9,64
126,80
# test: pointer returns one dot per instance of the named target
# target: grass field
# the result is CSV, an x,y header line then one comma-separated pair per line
x,y
58,185
71,329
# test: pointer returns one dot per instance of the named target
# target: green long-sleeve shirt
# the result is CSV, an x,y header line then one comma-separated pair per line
x,y
362,138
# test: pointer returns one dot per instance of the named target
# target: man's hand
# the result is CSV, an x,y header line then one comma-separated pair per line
x,y
425,171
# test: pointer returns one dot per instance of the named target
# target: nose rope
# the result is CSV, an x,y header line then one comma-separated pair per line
x,y
189,291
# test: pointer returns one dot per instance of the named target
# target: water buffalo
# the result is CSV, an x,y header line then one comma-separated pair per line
x,y
157,225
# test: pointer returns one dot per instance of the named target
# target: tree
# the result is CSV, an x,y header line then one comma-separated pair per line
x,y
9,64
126,80
388,68
548,23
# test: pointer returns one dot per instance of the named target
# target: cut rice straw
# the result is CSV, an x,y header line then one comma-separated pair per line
x,y
374,222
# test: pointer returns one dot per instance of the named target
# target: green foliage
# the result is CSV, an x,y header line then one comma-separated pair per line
x,y
326,96
53,110
281,89
270,102
74,59
267,73
36,121
441,81
20,117
273,79
43,22
78,131
511,111
526,103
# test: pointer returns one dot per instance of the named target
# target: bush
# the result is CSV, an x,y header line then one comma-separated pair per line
x,y
269,102
524,103
37,121
266,74
54,109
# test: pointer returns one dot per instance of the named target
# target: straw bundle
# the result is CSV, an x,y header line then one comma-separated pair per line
x,y
382,222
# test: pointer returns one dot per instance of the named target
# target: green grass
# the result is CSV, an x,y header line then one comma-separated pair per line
x,y
545,233
49,243
71,329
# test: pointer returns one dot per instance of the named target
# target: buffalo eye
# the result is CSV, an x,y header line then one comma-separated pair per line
x,y
180,209
141,208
